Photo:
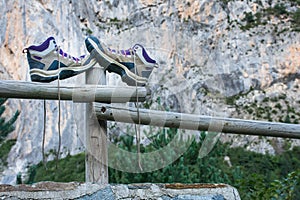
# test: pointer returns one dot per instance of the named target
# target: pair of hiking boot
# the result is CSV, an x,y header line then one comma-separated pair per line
x,y
47,62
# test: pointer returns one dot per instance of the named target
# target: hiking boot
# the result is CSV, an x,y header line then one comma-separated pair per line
x,y
134,65
47,62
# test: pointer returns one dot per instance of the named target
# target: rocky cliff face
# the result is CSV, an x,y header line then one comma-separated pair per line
x,y
216,58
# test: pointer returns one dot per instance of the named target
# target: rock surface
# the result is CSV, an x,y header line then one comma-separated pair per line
x,y
208,51
88,191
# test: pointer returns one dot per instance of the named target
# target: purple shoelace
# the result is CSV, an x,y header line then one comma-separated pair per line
x,y
131,51
65,55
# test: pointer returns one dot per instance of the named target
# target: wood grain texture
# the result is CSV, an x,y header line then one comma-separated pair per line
x,y
96,170
197,122
84,93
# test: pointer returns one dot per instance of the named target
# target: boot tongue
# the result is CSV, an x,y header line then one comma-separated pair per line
x,y
145,54
43,46
147,57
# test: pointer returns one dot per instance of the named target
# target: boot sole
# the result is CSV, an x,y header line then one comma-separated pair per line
x,y
39,75
105,61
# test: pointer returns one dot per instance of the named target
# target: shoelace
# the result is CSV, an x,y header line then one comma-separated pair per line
x,y
137,126
59,113
127,52
44,135
65,55
59,116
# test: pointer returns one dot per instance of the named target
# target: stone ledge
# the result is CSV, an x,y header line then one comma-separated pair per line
x,y
89,191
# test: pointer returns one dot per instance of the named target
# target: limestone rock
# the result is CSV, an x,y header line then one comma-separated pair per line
x,y
88,191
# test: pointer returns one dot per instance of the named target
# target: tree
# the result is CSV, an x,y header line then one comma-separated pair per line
x,y
6,126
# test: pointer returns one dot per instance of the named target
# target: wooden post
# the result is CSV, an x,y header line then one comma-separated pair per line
x,y
96,170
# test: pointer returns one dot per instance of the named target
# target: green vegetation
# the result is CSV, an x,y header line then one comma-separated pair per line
x,y
71,168
276,109
231,100
256,176
296,20
87,31
5,149
6,127
279,11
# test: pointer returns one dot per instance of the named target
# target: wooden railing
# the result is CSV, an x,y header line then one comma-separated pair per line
x,y
99,113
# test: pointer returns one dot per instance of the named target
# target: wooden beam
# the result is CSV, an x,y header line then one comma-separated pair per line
x,y
96,170
197,122
85,93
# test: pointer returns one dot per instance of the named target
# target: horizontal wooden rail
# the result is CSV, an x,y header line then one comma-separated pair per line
x,y
84,93
196,122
